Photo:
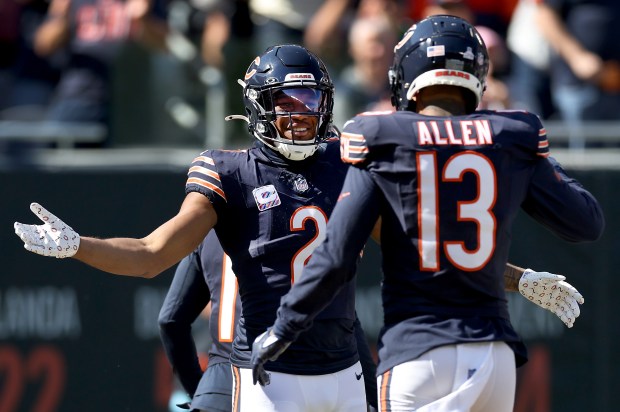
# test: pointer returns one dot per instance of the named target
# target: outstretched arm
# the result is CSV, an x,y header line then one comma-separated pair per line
x,y
145,257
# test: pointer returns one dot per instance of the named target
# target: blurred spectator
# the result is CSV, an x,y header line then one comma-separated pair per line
x,y
459,8
585,70
529,79
493,14
30,80
227,31
35,77
216,33
210,25
394,10
9,44
363,85
198,97
94,33
316,24
497,94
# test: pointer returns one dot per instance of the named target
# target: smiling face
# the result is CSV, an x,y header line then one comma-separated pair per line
x,y
291,106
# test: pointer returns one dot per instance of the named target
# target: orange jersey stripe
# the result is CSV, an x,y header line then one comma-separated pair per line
x,y
205,159
353,136
237,389
205,171
383,390
208,185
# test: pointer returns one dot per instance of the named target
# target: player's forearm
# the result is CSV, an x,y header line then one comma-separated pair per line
x,y
120,256
165,246
512,274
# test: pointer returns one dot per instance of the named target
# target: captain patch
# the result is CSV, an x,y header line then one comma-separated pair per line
x,y
266,197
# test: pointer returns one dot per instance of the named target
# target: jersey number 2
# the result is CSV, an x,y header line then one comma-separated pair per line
x,y
228,296
298,222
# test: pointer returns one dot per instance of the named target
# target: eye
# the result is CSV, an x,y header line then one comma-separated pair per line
x,y
284,106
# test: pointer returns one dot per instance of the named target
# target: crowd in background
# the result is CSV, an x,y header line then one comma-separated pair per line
x,y
160,72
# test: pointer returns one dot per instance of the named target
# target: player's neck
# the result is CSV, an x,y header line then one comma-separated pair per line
x,y
443,108
441,101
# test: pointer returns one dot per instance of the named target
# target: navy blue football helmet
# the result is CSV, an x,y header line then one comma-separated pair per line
x,y
439,50
292,70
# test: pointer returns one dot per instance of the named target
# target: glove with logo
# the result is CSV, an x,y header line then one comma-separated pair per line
x,y
266,347
53,238
551,292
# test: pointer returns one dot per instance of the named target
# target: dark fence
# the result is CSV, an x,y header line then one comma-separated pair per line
x,y
73,338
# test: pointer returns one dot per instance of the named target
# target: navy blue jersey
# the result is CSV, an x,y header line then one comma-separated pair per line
x,y
448,191
271,215
206,276
203,276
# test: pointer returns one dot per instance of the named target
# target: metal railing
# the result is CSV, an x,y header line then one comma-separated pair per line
x,y
589,133
62,135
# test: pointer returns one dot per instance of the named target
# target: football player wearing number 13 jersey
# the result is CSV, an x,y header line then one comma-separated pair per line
x,y
447,182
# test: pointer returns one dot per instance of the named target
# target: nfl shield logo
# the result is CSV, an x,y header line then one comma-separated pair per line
x,y
266,197
301,185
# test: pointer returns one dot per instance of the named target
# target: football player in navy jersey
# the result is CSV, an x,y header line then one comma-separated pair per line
x,y
269,207
205,276
447,182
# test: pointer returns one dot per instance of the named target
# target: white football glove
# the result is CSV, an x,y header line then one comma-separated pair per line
x,y
53,238
551,292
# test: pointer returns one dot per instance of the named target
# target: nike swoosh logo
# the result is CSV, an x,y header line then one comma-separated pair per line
x,y
358,377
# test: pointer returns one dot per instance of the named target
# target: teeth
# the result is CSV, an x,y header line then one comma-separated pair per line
x,y
300,130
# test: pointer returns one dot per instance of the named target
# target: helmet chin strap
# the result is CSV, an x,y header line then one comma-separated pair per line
x,y
295,152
